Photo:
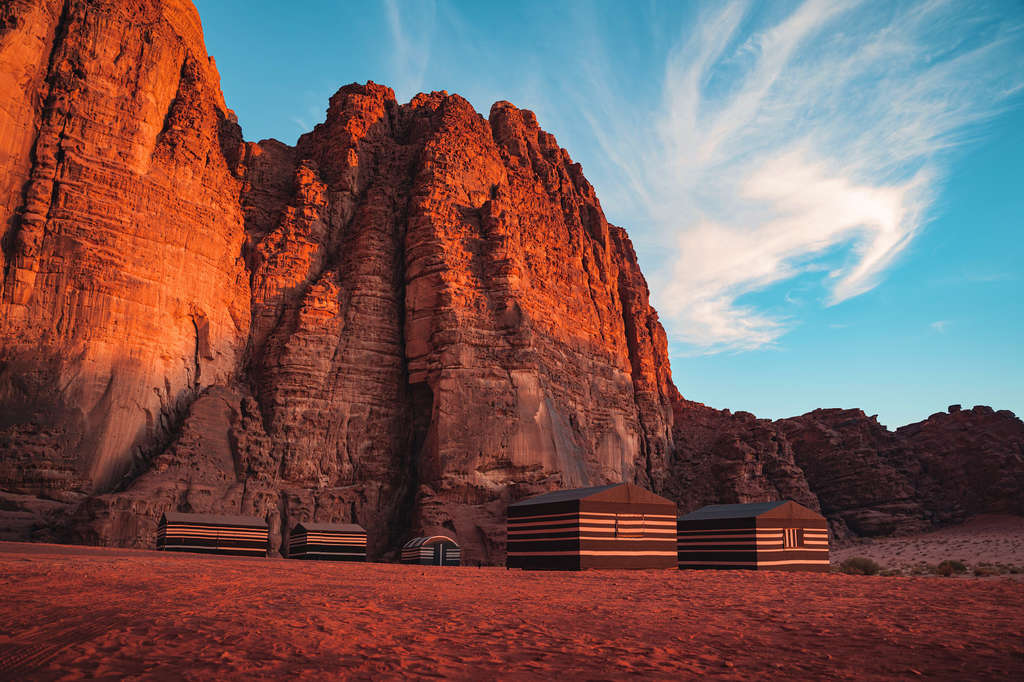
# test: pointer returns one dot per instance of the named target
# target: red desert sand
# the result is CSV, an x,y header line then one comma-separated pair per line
x,y
76,611
992,539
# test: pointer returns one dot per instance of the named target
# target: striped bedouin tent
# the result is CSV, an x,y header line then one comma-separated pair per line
x,y
610,526
212,534
330,541
764,535
432,550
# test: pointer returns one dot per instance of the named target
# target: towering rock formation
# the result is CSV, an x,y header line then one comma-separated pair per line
x,y
408,319
396,319
123,291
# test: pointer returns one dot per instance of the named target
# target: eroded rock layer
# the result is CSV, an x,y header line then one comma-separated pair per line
x,y
408,319
123,291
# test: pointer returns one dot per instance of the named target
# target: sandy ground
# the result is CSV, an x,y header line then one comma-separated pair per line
x,y
984,539
69,612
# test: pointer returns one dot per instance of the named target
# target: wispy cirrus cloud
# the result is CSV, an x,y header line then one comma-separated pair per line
x,y
411,28
811,141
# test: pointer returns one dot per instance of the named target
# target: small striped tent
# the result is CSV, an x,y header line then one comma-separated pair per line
x,y
764,535
330,541
611,526
435,550
212,534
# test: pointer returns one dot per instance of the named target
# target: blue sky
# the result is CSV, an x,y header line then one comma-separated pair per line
x,y
826,198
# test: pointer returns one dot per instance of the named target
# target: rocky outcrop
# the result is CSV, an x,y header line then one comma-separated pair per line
x,y
872,481
868,480
411,317
721,457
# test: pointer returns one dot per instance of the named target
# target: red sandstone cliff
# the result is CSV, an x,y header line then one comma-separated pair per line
x,y
123,292
408,319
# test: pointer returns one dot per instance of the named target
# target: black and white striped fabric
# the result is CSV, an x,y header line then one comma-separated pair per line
x,y
766,535
615,526
432,550
212,534
327,541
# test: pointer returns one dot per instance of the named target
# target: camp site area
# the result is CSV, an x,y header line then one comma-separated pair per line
x,y
115,613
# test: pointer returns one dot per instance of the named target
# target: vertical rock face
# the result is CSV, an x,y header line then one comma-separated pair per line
x,y
440,310
123,293
408,319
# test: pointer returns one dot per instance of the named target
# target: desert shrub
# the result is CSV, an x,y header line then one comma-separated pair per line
x,y
950,566
985,571
859,565
891,573
1016,569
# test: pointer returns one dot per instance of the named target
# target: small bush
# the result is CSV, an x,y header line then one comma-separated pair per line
x,y
1016,569
891,573
985,571
859,565
949,567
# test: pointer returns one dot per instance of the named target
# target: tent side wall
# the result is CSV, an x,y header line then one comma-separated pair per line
x,y
452,555
627,535
544,536
792,544
787,537
327,545
717,543
414,555
211,538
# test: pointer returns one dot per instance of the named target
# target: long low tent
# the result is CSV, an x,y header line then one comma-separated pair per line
x,y
779,535
328,541
212,534
610,526
432,550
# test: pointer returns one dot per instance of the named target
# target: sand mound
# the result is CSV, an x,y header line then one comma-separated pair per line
x,y
992,540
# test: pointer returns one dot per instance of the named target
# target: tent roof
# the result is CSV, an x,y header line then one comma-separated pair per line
x,y
751,510
332,527
429,540
616,492
562,495
215,519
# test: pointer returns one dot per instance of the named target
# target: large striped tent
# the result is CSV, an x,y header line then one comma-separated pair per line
x,y
331,541
610,526
432,550
764,535
212,534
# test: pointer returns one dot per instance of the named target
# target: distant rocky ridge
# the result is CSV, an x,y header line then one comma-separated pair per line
x,y
410,318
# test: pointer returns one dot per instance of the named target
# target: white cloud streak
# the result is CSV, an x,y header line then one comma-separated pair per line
x,y
411,25
811,142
